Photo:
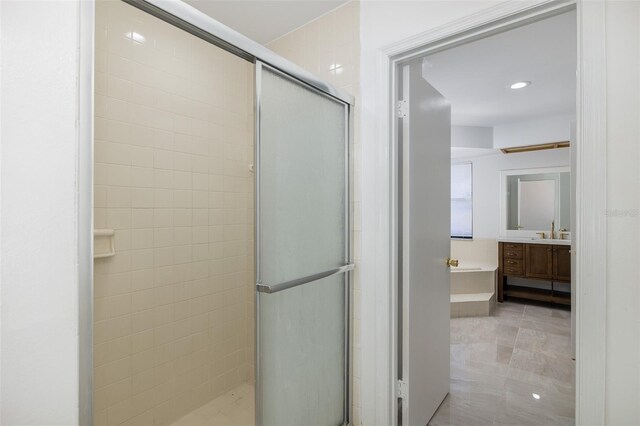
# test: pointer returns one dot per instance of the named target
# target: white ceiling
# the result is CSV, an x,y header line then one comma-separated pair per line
x,y
475,77
265,20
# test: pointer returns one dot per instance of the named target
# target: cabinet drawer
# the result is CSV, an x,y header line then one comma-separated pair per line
x,y
512,254
513,270
512,246
513,263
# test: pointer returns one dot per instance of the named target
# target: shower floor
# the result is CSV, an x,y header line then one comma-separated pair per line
x,y
234,408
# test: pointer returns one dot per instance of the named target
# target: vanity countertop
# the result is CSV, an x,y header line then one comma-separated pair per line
x,y
530,240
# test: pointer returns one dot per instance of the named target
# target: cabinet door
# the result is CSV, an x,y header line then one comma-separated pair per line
x,y
562,263
539,261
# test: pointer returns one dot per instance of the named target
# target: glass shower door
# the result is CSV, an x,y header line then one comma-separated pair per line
x,y
302,253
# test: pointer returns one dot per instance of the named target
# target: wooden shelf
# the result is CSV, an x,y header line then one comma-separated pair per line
x,y
541,295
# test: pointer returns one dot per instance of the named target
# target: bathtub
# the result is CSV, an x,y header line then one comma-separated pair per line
x,y
466,268
474,281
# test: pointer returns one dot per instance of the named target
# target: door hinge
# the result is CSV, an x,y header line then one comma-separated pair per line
x,y
403,109
402,389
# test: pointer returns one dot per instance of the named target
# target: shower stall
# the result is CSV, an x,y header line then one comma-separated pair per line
x,y
222,223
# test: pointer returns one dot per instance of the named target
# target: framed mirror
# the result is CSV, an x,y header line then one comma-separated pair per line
x,y
534,198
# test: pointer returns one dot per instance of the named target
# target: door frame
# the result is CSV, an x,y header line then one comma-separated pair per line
x,y
379,298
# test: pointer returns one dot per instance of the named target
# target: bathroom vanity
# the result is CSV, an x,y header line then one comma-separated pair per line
x,y
535,231
538,259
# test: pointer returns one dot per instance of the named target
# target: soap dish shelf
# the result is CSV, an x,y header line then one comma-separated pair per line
x,y
103,243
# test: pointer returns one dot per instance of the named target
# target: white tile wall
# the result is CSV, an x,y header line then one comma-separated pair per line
x,y
329,47
173,324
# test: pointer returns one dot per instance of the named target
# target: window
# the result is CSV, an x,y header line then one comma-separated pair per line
x,y
461,201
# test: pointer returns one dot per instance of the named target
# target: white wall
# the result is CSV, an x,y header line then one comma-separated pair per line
x,y
521,133
39,291
472,137
623,230
486,183
533,132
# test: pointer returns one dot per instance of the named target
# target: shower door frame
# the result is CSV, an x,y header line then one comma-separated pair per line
x,y
191,20
348,259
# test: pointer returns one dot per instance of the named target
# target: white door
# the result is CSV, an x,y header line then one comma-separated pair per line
x,y
426,153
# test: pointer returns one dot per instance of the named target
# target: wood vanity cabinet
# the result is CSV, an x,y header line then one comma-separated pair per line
x,y
534,261
539,261
562,263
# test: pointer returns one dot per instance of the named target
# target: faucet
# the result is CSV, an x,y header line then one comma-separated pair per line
x,y
553,230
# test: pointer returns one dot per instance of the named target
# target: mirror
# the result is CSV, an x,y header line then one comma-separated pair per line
x,y
535,204
535,198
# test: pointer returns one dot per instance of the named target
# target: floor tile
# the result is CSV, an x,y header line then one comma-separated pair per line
x,y
513,368
462,407
488,358
233,408
539,396
559,317
559,367
530,324
540,341
510,415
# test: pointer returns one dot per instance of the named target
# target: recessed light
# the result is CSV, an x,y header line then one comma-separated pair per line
x,y
535,396
520,84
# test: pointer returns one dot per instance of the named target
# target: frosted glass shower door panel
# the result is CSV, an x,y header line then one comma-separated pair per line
x,y
302,354
302,253
302,180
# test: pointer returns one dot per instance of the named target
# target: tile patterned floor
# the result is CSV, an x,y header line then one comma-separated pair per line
x,y
513,368
234,408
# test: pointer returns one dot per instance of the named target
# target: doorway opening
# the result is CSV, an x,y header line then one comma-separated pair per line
x,y
486,129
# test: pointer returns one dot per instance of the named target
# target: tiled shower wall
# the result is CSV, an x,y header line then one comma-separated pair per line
x,y
329,47
173,314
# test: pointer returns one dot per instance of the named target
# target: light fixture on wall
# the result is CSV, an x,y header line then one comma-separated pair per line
x,y
520,85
